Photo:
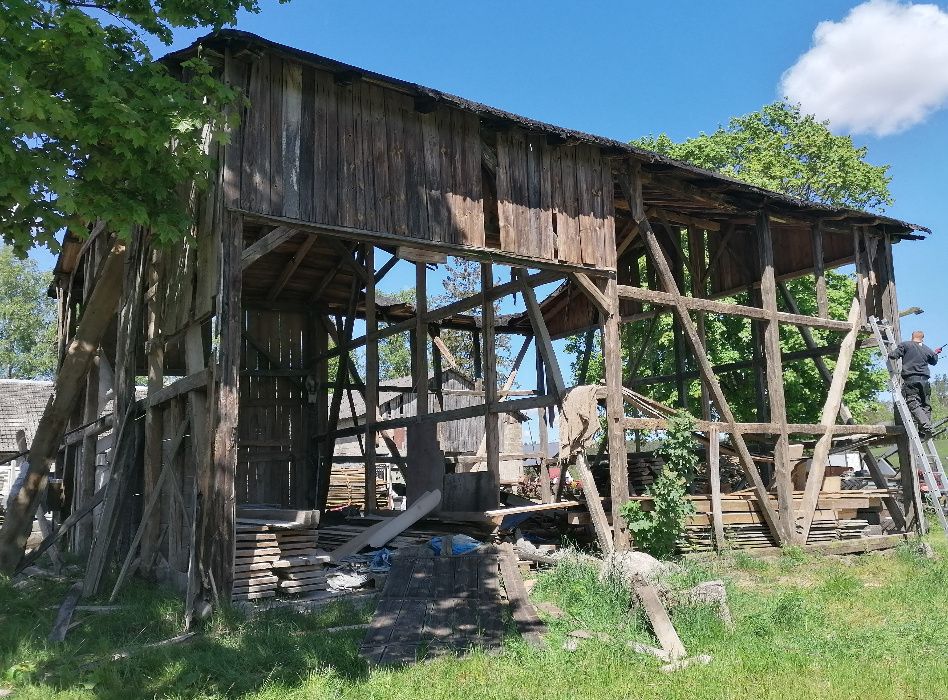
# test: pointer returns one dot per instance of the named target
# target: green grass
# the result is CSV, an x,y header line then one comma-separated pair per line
x,y
806,627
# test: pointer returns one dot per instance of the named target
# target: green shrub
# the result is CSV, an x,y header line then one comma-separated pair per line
x,y
657,531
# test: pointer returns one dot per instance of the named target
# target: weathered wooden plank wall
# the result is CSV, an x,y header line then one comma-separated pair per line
x,y
733,269
358,155
272,447
555,202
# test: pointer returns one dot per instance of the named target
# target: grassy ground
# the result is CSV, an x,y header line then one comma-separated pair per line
x,y
806,627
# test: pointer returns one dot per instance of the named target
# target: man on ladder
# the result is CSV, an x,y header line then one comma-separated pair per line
x,y
916,357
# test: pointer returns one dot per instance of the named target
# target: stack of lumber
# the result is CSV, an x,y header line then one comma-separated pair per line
x,y
643,468
257,550
274,547
840,515
347,488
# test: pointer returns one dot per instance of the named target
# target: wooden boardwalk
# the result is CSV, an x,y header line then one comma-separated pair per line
x,y
436,605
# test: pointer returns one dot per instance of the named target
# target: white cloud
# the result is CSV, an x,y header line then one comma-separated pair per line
x,y
880,70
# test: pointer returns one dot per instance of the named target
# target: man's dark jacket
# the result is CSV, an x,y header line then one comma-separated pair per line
x,y
915,359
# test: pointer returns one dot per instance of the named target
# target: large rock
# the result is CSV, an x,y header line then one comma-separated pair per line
x,y
635,569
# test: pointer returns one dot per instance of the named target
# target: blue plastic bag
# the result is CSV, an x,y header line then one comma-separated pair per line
x,y
460,544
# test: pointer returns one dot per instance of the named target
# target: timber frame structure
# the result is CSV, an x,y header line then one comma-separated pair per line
x,y
235,327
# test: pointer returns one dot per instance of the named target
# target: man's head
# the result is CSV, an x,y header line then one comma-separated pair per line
x,y
918,336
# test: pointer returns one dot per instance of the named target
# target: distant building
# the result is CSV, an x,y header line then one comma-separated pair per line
x,y
21,406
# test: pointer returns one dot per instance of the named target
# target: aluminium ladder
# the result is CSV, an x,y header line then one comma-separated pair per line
x,y
933,471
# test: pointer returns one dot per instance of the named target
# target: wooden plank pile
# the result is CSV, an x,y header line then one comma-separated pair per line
x,y
275,554
841,515
347,488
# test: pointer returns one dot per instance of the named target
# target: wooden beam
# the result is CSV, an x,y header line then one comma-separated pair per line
x,y
542,335
615,419
822,300
290,269
880,480
197,380
631,183
371,382
814,482
270,242
382,239
653,296
714,476
593,503
774,365
421,339
768,428
442,313
588,287
491,420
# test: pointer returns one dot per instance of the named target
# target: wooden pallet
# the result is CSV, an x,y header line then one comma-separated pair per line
x,y
435,605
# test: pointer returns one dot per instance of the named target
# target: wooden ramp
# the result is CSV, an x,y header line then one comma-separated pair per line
x,y
433,605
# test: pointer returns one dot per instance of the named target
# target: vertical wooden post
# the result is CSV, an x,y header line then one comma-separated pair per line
x,y
218,532
421,338
615,417
819,275
696,251
775,394
371,380
714,475
155,354
546,492
491,428
85,474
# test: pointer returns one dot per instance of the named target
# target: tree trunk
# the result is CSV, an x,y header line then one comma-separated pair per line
x,y
96,315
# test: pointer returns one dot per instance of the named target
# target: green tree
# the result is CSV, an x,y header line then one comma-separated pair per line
x,y
394,351
463,279
27,319
781,149
91,126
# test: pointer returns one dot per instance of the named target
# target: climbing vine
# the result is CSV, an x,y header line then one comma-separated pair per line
x,y
656,531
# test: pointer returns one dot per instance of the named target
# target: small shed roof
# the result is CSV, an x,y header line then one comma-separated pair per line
x,y
20,409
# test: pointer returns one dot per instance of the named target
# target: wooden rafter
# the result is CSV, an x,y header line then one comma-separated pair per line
x,y
270,242
290,269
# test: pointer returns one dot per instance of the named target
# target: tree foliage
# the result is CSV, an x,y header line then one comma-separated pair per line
x,y
27,319
91,126
394,351
781,149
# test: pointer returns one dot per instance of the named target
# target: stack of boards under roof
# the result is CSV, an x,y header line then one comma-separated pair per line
x,y
276,551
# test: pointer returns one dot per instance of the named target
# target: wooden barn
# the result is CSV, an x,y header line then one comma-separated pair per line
x,y
336,174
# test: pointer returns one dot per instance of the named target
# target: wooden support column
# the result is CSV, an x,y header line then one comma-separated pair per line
x,y
85,474
546,493
420,348
699,287
819,275
775,393
714,475
491,427
814,482
630,182
154,425
217,535
371,381
615,417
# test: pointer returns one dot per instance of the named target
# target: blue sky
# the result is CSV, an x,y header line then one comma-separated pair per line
x,y
626,69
